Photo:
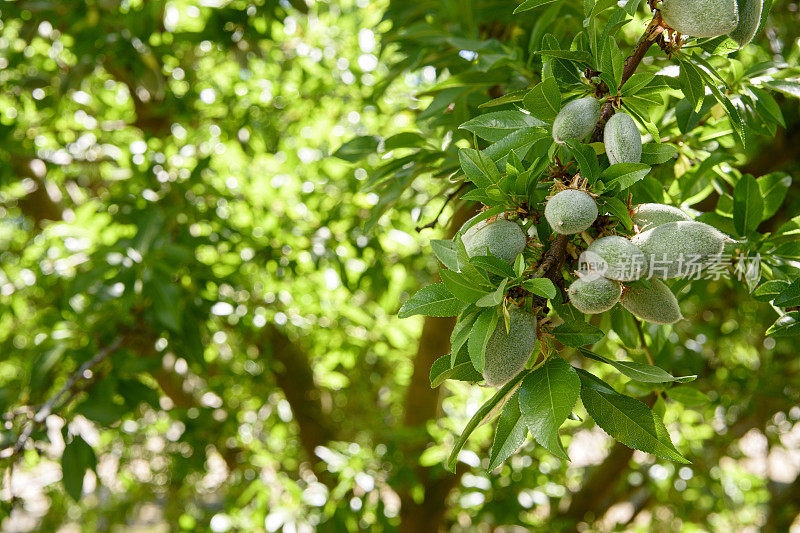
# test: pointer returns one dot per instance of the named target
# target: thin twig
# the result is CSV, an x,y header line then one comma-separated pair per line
x,y
47,408
432,223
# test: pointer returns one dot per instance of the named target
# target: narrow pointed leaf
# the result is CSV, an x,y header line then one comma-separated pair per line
x,y
479,416
510,434
639,371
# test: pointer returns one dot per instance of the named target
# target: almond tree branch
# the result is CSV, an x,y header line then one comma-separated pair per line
x,y
47,408
632,62
556,254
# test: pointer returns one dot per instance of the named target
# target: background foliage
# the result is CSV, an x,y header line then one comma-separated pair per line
x,y
170,208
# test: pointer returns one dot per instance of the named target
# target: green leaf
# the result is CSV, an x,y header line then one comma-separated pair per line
x,y
479,336
404,139
445,252
787,87
657,153
616,207
544,100
577,334
611,63
790,296
510,434
692,84
748,205
480,217
509,98
136,393
769,290
520,141
499,124
493,299
773,189
479,417
631,6
623,175
786,326
478,167
790,250
624,326
77,458
465,266
494,265
531,4
768,105
519,266
540,287
688,396
461,286
463,370
626,419
577,56
357,148
638,371
433,300
636,83
586,158
104,413
736,120
546,399
166,304
468,79
460,334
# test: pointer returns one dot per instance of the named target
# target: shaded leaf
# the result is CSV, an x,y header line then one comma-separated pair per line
x,y
77,458
480,415
748,205
577,334
510,434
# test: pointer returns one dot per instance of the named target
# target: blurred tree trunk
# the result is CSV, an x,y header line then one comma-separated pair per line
x,y
295,377
784,506
37,204
422,404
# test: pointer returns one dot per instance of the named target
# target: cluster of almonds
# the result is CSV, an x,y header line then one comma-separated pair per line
x,y
665,236
669,244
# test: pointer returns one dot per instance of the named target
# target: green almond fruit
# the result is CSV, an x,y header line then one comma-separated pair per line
x,y
577,119
655,304
622,140
593,294
571,211
678,249
507,353
502,238
701,18
749,19
648,216
614,257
